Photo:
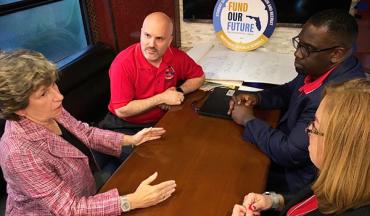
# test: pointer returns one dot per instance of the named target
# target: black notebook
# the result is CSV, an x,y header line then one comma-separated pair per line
x,y
217,103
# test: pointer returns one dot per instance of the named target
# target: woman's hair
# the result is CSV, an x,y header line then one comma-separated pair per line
x,y
344,178
22,72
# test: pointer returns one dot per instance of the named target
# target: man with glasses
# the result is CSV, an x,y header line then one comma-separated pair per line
x,y
323,55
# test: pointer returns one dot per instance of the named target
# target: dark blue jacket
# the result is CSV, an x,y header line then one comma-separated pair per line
x,y
287,145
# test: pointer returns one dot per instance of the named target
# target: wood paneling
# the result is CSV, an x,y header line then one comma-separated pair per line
x,y
100,21
363,42
118,22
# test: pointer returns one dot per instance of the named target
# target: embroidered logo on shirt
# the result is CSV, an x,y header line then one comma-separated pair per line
x,y
169,73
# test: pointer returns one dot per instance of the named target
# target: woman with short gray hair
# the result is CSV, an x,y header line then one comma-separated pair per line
x,y
45,152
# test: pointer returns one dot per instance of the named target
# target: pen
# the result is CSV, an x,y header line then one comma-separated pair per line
x,y
260,85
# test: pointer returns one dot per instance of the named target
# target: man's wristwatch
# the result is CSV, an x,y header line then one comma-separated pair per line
x,y
275,199
179,89
125,204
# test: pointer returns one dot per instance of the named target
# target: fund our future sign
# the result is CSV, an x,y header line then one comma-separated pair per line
x,y
244,25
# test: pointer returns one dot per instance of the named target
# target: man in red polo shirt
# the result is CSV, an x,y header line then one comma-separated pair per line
x,y
323,55
144,78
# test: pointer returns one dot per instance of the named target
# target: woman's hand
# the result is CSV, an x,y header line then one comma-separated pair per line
x,y
142,136
255,203
239,210
147,195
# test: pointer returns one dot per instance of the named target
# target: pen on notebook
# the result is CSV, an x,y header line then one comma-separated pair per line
x,y
261,85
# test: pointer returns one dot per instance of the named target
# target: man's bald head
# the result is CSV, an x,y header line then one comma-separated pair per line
x,y
159,19
156,37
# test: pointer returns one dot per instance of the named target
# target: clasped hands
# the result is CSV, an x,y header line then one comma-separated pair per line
x,y
253,204
241,108
171,97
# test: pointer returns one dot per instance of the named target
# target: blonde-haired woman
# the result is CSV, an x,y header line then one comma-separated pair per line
x,y
44,151
339,148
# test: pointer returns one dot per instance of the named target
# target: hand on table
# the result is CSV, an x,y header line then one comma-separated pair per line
x,y
148,195
241,114
255,203
246,99
171,97
164,107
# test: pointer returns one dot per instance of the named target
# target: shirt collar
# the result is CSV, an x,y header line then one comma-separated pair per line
x,y
32,131
309,86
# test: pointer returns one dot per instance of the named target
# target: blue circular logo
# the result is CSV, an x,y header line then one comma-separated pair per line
x,y
244,25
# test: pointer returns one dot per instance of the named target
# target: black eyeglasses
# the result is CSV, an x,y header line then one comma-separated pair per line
x,y
307,50
311,129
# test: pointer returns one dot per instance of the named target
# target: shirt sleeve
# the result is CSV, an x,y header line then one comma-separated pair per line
x,y
40,182
190,68
121,85
278,97
288,150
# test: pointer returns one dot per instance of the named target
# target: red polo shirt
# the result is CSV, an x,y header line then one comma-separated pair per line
x,y
310,86
132,77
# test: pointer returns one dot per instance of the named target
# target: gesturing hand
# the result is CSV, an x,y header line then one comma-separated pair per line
x,y
239,210
147,195
147,134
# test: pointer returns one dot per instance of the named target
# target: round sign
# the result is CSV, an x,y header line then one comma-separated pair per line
x,y
244,25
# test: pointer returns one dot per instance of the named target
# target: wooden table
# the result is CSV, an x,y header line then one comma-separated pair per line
x,y
211,164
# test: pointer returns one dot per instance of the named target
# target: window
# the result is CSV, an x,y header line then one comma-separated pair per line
x,y
8,1
55,29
